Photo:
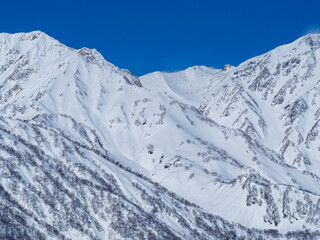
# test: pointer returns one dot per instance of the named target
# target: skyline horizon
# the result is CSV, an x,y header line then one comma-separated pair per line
x,y
148,36
165,71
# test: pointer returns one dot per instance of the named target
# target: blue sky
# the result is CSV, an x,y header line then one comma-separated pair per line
x,y
146,36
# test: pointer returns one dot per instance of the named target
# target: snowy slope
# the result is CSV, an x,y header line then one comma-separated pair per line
x,y
88,150
272,103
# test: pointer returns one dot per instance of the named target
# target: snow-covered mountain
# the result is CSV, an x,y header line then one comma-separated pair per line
x,y
272,103
89,151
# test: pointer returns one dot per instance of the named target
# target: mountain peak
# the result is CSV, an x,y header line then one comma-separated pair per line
x,y
311,40
25,35
83,142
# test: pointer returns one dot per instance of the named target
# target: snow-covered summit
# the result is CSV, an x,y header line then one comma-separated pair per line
x,y
273,99
89,151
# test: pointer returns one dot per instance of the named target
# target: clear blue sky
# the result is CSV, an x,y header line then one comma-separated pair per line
x,y
146,36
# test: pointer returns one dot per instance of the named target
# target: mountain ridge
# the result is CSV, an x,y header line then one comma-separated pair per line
x,y
210,136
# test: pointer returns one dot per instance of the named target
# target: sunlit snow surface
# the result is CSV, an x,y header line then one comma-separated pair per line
x,y
86,147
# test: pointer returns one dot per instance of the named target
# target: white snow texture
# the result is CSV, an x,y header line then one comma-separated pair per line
x,y
89,151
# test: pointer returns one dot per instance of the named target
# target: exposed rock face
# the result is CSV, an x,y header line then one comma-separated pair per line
x,y
226,67
89,151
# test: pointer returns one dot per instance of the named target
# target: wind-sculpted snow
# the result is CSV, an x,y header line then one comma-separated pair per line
x,y
89,151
